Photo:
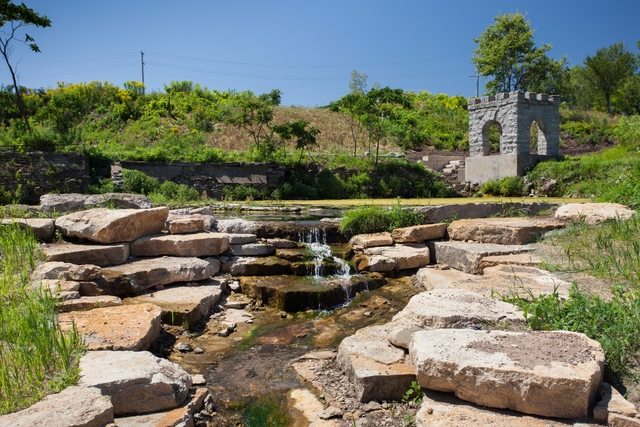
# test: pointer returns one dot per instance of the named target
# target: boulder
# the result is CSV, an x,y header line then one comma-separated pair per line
x,y
42,228
445,410
118,201
183,416
503,279
182,305
90,302
136,276
60,203
241,239
124,327
183,245
377,369
73,406
101,255
618,420
612,402
55,285
502,231
137,381
235,226
593,213
450,308
113,226
265,266
252,249
406,256
293,254
371,240
467,257
374,263
188,224
282,243
66,271
552,374
419,233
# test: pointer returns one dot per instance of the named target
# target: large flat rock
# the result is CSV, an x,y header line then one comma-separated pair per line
x,y
58,270
182,305
467,257
101,255
71,202
125,327
448,308
252,266
553,374
252,249
593,213
183,245
451,212
445,410
113,226
377,369
137,382
372,239
502,231
90,302
419,233
406,256
73,406
181,416
503,279
136,276
42,228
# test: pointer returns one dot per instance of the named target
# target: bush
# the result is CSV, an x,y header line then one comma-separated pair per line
x,y
329,185
178,192
138,182
243,193
510,186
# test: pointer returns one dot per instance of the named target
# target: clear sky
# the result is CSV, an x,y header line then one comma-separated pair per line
x,y
305,48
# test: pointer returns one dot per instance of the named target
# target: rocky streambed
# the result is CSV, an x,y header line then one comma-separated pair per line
x,y
254,335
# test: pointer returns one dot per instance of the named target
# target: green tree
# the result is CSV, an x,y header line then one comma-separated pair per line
x,y
12,19
507,52
298,130
608,69
379,107
358,82
351,107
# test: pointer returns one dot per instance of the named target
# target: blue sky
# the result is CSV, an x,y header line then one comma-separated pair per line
x,y
307,49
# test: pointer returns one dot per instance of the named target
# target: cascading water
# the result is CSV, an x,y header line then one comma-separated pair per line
x,y
316,242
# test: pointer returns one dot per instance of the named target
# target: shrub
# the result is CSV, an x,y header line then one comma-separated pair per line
x,y
138,182
329,185
510,186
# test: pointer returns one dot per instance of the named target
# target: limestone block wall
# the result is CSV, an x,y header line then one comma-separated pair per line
x,y
37,173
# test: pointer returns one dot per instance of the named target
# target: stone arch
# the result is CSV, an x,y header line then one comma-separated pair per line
x,y
486,128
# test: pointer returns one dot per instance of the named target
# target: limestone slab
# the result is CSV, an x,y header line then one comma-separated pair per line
x,y
191,224
182,304
100,255
503,279
252,249
612,402
406,256
451,308
445,410
377,369
241,238
553,374
282,243
419,233
501,231
593,213
178,417
374,263
125,327
468,256
113,226
66,271
42,228
73,406
183,245
371,240
137,381
136,276
90,302
265,266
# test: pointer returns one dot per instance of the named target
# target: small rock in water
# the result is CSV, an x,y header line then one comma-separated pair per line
x,y
198,379
184,347
198,350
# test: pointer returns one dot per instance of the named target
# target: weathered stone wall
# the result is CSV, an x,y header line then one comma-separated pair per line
x,y
30,175
213,177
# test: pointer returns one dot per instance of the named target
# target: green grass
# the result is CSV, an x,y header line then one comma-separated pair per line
x,y
374,218
36,357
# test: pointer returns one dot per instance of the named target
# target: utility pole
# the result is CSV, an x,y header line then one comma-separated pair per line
x,y
477,76
142,62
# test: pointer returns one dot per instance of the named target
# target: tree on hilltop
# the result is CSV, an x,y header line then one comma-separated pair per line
x,y
12,18
507,52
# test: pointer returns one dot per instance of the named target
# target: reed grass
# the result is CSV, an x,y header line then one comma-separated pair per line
x,y
36,357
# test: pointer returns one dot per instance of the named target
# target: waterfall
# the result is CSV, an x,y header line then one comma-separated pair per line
x,y
316,241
